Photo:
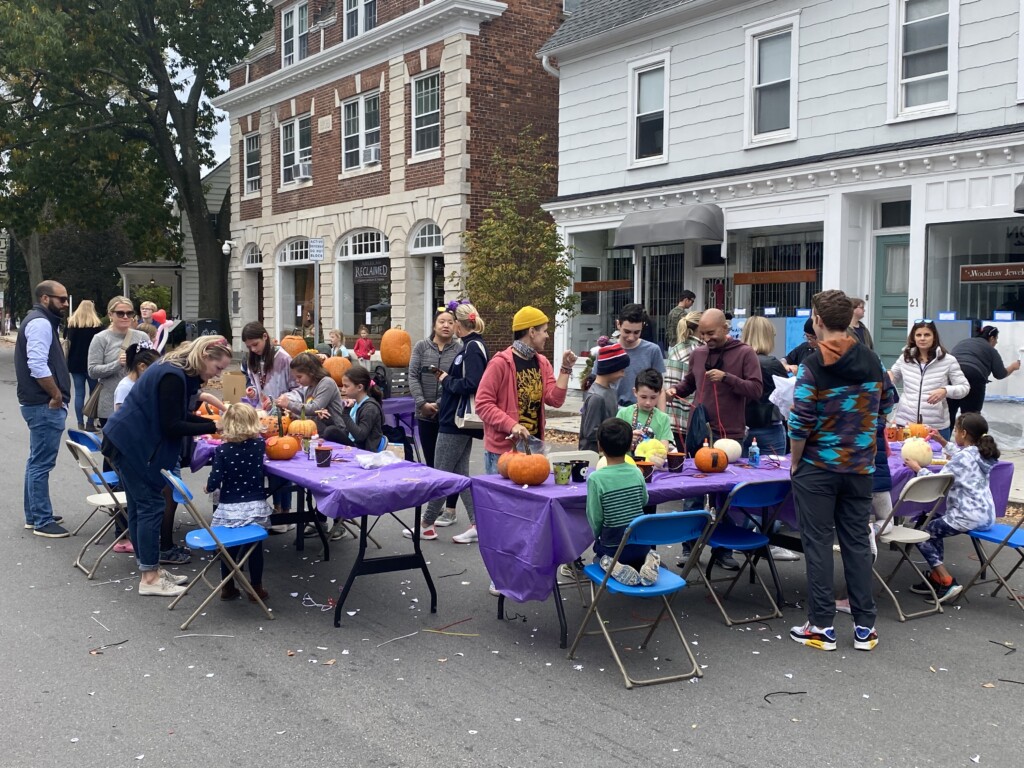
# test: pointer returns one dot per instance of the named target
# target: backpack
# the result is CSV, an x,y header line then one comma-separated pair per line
x,y
698,430
382,380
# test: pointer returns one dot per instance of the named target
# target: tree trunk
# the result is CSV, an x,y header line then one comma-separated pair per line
x,y
212,266
33,262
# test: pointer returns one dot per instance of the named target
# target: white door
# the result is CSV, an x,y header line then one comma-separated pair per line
x,y
588,325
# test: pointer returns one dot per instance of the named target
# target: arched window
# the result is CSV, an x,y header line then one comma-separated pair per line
x,y
252,259
297,251
428,239
364,270
364,245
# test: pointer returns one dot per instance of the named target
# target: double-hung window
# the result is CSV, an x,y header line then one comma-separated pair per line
x,y
294,34
924,39
648,95
360,121
426,113
296,150
770,97
252,163
360,16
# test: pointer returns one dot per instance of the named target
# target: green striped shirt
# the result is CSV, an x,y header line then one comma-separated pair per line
x,y
615,495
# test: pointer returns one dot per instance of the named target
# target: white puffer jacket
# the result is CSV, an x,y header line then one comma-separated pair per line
x,y
920,379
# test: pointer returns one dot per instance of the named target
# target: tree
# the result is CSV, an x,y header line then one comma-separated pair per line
x,y
136,71
516,256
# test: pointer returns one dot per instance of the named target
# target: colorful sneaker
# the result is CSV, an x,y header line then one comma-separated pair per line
x,y
948,592
448,517
816,637
622,573
426,534
864,638
649,570
921,588
468,536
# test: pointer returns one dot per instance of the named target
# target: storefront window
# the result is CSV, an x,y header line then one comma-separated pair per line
x,y
365,282
777,250
975,268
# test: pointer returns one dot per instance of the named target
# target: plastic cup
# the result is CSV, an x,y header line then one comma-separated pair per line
x,y
563,470
323,457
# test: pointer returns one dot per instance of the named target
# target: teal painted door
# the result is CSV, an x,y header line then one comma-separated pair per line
x,y
892,276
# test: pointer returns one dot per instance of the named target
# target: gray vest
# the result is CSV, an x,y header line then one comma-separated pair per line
x,y
29,391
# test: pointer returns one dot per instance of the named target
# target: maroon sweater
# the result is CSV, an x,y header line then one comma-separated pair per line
x,y
726,401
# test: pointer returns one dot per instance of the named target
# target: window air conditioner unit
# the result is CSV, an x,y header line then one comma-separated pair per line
x,y
568,6
371,155
302,171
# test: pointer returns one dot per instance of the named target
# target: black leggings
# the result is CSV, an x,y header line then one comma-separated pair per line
x,y
974,400
255,564
428,439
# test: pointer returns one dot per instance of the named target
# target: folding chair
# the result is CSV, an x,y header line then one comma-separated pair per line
x,y
920,490
217,539
752,544
1002,535
105,499
91,442
658,529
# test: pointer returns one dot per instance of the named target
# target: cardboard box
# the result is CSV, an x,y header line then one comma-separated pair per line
x,y
233,383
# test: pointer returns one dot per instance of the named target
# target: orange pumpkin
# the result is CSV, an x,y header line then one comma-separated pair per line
x,y
302,428
275,425
917,430
208,411
336,367
711,459
529,469
504,460
395,348
293,345
282,448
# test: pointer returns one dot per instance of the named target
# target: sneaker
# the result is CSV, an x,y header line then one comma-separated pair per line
x,y
649,570
175,556
56,518
177,578
493,590
124,547
921,588
162,587
783,555
468,536
864,638
426,534
309,531
448,517
724,560
815,637
52,530
622,573
685,556
948,592
259,590
570,571
282,528
338,532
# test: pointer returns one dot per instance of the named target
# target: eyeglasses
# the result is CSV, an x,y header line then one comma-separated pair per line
x,y
124,313
924,320
61,299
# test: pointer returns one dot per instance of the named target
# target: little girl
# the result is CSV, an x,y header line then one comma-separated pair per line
x,y
363,347
238,474
969,503
137,360
364,418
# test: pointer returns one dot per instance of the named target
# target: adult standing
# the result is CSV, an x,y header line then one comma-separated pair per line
x,y
146,436
677,313
107,353
83,326
429,357
838,404
643,354
978,360
764,421
457,383
929,375
677,363
44,391
857,327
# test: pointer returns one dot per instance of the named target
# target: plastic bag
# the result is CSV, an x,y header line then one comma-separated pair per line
x,y
377,460
782,397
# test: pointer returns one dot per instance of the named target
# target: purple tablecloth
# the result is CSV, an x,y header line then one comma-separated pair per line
x,y
347,490
526,533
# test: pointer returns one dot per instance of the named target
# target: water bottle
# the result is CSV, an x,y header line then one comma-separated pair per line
x,y
754,454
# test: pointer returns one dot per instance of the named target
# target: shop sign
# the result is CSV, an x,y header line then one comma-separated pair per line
x,y
992,273
376,271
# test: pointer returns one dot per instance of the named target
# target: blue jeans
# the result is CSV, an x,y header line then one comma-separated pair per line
x,y
45,429
80,380
144,492
771,440
491,463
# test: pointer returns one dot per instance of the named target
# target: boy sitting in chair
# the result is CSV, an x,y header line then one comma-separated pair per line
x,y
616,494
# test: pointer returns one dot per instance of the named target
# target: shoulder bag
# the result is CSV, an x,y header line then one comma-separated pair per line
x,y
92,406
466,416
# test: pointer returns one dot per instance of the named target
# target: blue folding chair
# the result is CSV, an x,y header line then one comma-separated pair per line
x,y
91,442
217,539
653,530
751,544
1003,536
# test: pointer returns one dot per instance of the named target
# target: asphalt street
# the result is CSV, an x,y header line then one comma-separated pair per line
x,y
239,690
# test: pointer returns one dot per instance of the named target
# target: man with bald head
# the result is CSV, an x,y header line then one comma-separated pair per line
x,y
44,390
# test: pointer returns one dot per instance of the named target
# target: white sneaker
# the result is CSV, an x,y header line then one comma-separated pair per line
x,y
568,571
177,578
338,531
783,555
493,590
281,528
448,517
426,534
468,536
162,587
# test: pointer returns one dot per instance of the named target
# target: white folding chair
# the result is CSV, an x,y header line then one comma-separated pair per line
x,y
217,539
658,529
91,442
104,499
919,490
1003,536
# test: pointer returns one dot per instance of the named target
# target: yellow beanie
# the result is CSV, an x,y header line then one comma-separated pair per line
x,y
528,317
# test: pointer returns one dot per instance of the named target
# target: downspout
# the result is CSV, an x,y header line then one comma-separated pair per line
x,y
545,61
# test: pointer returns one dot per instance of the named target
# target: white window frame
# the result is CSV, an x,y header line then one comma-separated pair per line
x,y
299,38
252,259
754,34
360,103
635,69
365,15
894,110
416,116
298,153
253,167
426,239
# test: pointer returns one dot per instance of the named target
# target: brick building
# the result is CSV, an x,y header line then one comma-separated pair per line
x,y
371,124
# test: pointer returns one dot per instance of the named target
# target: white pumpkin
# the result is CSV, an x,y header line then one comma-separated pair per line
x,y
732,448
603,462
918,450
